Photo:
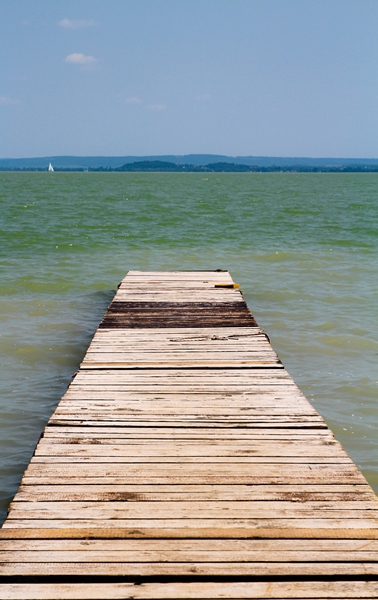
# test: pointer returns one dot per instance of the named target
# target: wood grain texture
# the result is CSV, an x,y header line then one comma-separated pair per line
x,y
184,452
298,590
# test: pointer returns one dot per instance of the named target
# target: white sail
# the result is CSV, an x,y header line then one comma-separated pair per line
x,y
50,167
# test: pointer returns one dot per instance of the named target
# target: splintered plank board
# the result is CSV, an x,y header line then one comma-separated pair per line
x,y
184,462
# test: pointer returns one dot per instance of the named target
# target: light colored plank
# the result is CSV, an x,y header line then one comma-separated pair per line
x,y
207,569
175,402
192,526
288,471
194,510
174,364
218,425
178,493
29,529
135,550
184,334
180,275
87,554
336,590
148,354
264,449
362,548
129,433
175,284
188,406
271,399
169,415
234,376
183,464
68,478
171,292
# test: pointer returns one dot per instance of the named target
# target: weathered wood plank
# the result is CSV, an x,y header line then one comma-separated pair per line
x,y
211,375
99,530
222,548
158,433
260,473
185,416
208,569
200,509
115,362
298,590
177,493
218,425
229,559
185,407
291,449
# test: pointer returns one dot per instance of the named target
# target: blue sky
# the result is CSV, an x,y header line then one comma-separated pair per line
x,y
235,77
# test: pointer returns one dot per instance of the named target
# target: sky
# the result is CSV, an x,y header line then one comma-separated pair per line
x,y
154,77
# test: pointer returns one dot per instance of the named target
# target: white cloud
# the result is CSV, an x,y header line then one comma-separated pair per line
x,y
76,24
80,59
133,100
8,101
157,106
203,98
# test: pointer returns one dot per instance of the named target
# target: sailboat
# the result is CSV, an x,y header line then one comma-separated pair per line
x,y
50,169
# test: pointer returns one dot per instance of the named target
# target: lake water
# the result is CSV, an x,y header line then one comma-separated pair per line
x,y
304,248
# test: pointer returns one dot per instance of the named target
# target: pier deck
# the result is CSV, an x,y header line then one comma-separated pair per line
x,y
183,462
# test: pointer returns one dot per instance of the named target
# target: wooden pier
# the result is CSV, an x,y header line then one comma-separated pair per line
x,y
184,463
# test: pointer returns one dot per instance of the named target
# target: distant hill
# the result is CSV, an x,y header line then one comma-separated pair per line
x,y
182,162
229,167
152,165
159,165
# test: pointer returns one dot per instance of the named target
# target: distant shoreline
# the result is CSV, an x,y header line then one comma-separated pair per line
x,y
192,163
159,166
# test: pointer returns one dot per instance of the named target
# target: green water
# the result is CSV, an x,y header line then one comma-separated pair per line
x,y
304,248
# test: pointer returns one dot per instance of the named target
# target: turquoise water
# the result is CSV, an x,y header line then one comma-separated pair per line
x,y
304,248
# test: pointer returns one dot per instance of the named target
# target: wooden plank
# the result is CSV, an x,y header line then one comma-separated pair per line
x,y
86,553
176,335
233,376
106,517
274,397
158,433
177,493
185,406
79,419
185,296
202,591
197,509
115,362
98,530
124,415
194,274
290,449
153,283
124,408
279,590
185,569
194,510
223,549
207,569
68,478
183,464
